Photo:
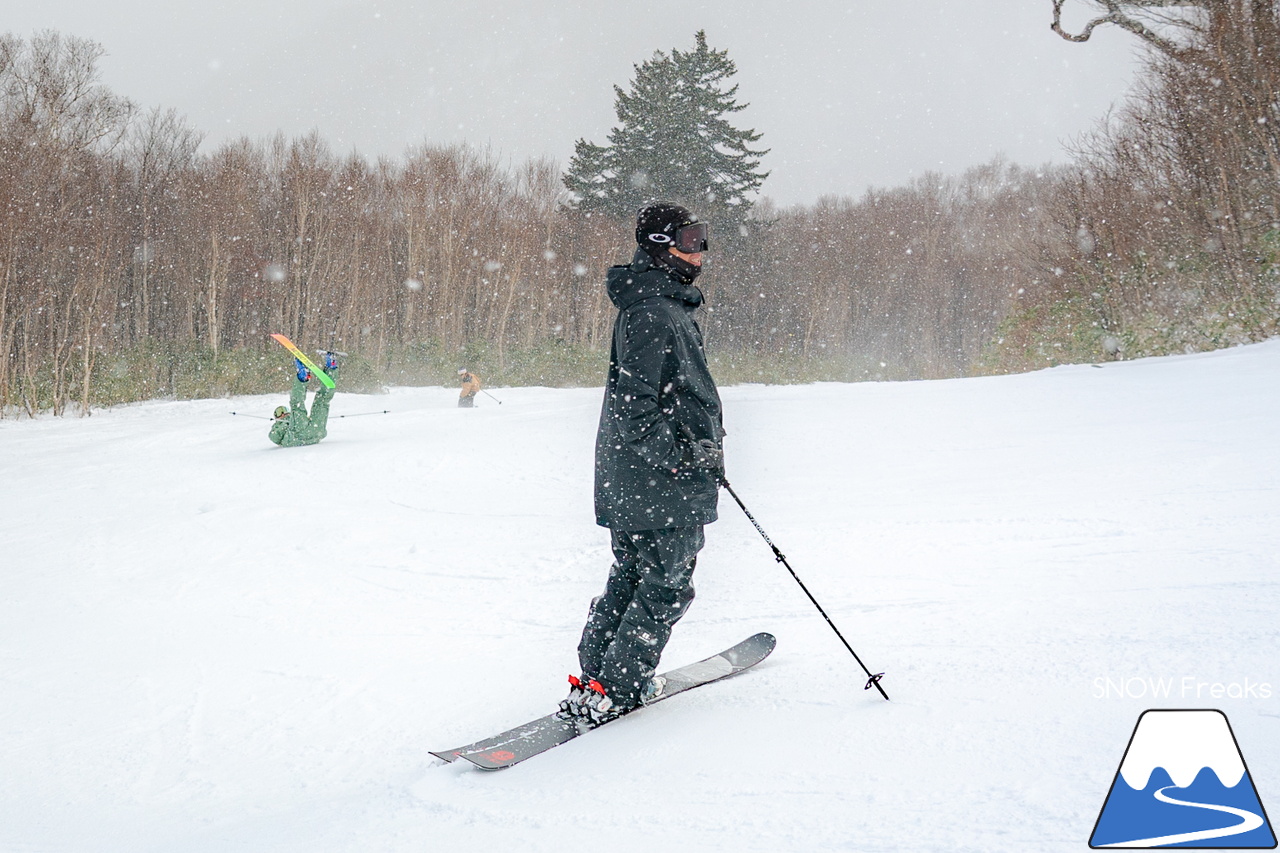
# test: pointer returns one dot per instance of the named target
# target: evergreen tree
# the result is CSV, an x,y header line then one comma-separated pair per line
x,y
673,142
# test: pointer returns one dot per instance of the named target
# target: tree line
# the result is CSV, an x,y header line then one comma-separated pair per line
x,y
1168,227
133,265
118,238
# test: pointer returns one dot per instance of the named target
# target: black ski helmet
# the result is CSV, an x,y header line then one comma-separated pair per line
x,y
657,223
657,226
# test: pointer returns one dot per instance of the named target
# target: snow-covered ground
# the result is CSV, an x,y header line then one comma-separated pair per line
x,y
208,643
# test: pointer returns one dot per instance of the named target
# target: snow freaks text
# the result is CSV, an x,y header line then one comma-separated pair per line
x,y
1186,687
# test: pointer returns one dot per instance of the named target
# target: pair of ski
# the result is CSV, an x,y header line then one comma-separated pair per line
x,y
538,736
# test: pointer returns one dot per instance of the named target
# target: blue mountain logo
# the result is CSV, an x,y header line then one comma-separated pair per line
x,y
1183,783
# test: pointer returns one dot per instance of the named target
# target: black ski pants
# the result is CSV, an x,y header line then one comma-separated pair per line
x,y
649,588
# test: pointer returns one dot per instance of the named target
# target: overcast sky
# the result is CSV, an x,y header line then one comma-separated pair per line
x,y
848,93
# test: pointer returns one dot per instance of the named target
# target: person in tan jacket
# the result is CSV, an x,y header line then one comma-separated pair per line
x,y
470,388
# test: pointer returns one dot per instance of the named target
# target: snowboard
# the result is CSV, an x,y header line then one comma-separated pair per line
x,y
538,736
301,356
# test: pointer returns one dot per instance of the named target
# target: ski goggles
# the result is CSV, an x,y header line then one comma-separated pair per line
x,y
691,239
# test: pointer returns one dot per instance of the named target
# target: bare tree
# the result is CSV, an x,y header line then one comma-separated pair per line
x,y
50,91
57,123
1147,19
159,152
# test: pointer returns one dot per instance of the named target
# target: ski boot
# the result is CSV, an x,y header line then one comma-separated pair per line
x,y
330,362
304,375
653,690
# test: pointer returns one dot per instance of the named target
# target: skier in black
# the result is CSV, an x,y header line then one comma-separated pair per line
x,y
658,463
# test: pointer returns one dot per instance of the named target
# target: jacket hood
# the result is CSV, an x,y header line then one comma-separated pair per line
x,y
643,279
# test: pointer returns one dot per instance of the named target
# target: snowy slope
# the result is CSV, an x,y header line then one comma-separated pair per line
x,y
208,643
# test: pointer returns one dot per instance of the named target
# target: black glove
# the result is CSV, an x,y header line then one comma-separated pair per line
x,y
706,454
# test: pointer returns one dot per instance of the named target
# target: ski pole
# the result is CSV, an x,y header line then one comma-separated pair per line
x,y
247,415
491,397
871,679
362,414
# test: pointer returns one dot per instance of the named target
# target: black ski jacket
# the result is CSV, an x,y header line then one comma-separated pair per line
x,y
659,394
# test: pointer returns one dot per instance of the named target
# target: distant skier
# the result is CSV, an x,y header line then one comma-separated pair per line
x,y
657,465
293,427
470,388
